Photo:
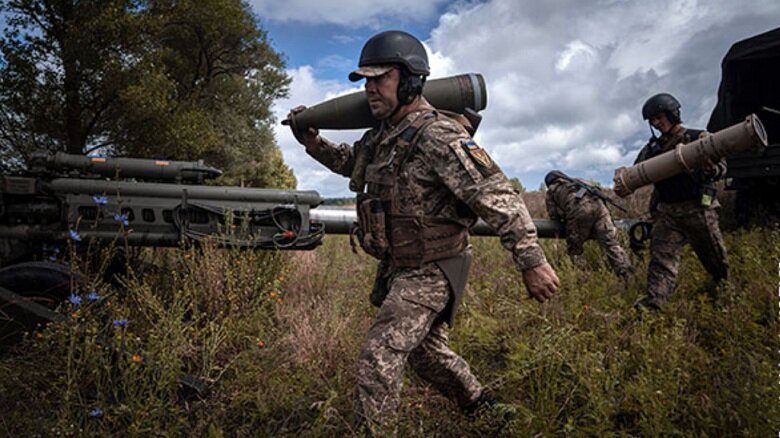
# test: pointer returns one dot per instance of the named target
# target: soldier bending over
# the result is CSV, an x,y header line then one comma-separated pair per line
x,y
584,216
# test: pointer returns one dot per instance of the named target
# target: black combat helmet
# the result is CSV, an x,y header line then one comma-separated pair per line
x,y
553,176
663,102
389,49
393,47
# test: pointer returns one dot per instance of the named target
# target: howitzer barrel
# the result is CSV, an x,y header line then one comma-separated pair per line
x,y
455,93
160,190
188,171
687,157
340,221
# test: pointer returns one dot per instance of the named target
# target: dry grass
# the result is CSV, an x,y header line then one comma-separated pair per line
x,y
276,336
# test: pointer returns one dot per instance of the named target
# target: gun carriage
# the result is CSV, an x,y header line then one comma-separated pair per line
x,y
72,199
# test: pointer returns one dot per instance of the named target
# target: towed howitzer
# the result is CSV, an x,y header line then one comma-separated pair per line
x,y
63,196
66,198
686,157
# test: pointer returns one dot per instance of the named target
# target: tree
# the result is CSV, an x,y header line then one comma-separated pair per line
x,y
63,64
173,79
516,184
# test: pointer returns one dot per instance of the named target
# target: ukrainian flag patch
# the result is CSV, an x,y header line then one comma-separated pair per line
x,y
477,154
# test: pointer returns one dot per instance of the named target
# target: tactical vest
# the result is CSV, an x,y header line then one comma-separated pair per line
x,y
413,239
684,186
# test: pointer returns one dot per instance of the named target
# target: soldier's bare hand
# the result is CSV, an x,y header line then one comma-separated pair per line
x,y
541,282
309,138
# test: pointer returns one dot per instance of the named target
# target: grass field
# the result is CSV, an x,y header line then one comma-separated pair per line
x,y
275,337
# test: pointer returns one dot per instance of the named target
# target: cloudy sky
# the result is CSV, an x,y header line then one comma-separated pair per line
x,y
566,78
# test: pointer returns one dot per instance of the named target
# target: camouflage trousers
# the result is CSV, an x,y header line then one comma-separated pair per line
x,y
674,226
408,327
591,220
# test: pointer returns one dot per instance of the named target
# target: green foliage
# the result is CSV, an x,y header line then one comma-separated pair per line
x,y
63,65
517,185
180,80
276,337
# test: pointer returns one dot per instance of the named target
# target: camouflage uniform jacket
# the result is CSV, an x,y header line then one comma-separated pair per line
x,y
445,176
563,197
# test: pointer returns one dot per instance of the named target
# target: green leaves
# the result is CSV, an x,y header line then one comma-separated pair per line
x,y
165,79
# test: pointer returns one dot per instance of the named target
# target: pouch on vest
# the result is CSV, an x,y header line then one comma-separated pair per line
x,y
419,240
371,230
708,194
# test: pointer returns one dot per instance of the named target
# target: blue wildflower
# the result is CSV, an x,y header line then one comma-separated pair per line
x,y
121,218
120,322
100,200
93,296
74,299
96,412
74,235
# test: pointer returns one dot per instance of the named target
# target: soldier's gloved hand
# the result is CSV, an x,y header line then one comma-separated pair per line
x,y
541,282
309,138
619,189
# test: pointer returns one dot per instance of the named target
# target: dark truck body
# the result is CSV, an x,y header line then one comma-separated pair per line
x,y
750,83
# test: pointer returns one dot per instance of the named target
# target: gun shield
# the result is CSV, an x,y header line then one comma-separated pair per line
x,y
455,93
687,157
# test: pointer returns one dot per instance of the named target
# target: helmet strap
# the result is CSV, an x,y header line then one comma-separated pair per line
x,y
652,131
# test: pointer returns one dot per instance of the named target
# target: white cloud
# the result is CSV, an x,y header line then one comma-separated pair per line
x,y
566,79
577,56
351,13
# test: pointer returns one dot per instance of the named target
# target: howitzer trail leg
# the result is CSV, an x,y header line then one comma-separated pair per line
x,y
435,363
415,300
666,246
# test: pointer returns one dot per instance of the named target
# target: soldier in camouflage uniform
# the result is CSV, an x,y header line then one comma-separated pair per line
x,y
584,216
421,182
684,207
